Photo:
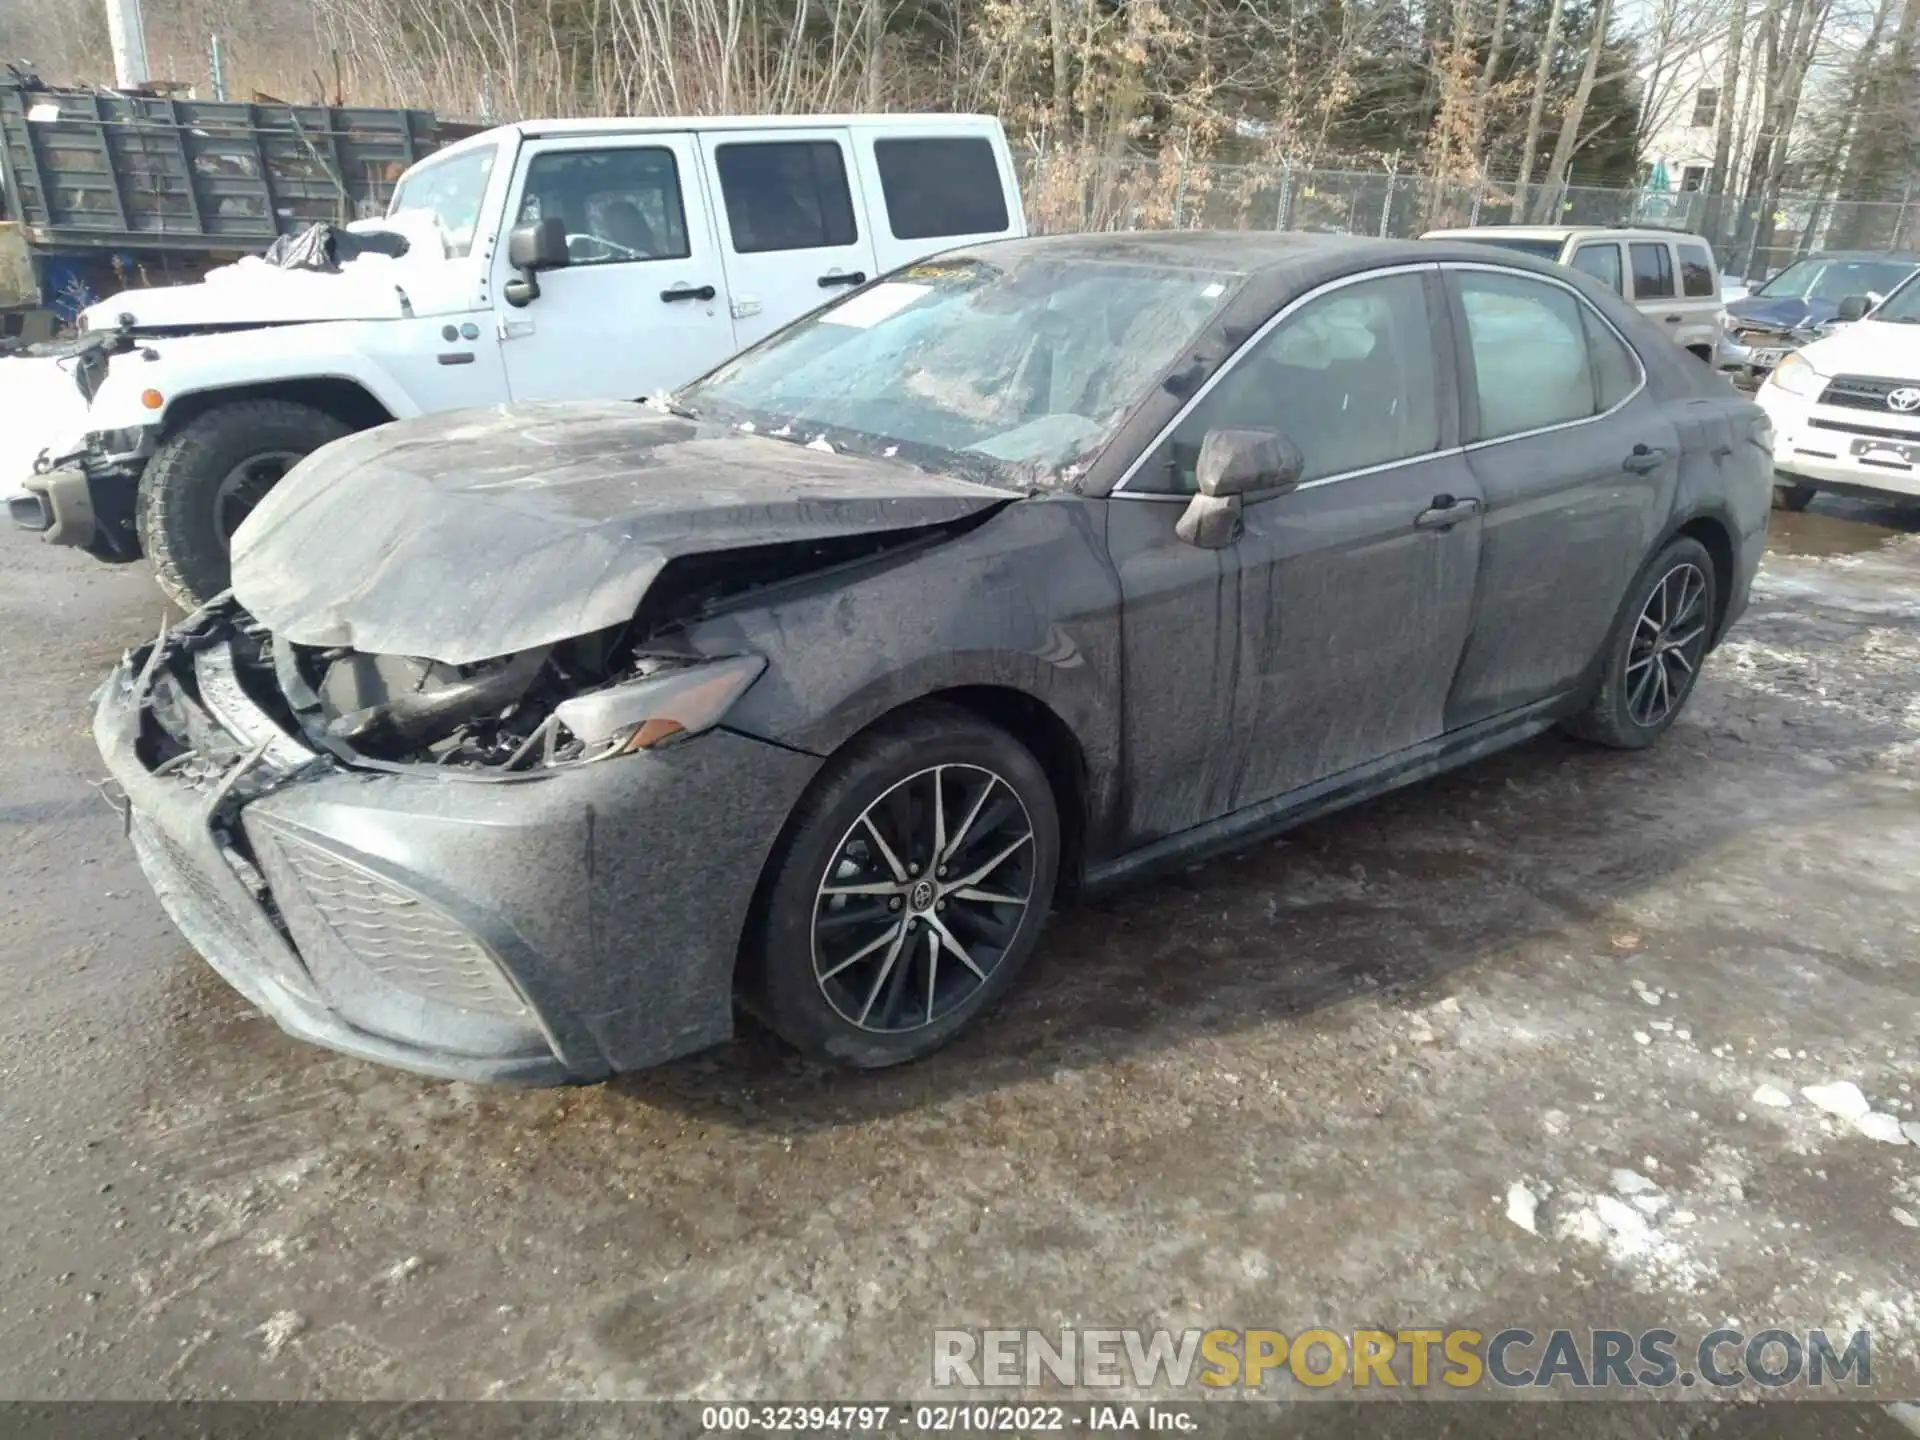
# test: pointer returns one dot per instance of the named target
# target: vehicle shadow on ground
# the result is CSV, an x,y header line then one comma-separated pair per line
x,y
1383,902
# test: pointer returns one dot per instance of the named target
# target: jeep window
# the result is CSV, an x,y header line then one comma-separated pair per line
x,y
1696,270
450,191
1652,270
948,185
1011,371
1600,261
620,205
785,195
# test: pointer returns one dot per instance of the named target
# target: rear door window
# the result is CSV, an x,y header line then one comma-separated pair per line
x,y
1652,270
1696,271
939,186
1532,367
1600,261
786,195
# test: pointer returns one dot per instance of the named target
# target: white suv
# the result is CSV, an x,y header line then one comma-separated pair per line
x,y
1668,275
545,260
1846,409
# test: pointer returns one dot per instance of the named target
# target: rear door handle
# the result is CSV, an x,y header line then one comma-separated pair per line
x,y
1446,512
687,292
1644,460
857,277
1673,319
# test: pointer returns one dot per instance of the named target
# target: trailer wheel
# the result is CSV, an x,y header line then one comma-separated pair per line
x,y
207,477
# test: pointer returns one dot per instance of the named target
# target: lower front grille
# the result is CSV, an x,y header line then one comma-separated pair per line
x,y
187,881
392,933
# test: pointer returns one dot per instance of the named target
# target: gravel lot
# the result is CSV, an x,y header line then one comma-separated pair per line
x,y
1295,1088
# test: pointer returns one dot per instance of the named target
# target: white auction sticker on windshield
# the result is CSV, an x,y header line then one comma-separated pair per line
x,y
870,307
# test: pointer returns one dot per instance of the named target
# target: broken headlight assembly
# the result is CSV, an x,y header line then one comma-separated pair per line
x,y
641,714
521,715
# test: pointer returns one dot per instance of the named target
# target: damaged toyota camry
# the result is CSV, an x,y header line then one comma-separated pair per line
x,y
534,744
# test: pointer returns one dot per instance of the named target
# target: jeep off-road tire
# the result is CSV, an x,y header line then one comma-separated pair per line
x,y
1653,654
204,478
874,943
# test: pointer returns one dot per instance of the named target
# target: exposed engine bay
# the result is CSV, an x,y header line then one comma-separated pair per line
x,y
612,691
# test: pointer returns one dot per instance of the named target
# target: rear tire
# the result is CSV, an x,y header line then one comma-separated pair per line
x,y
875,943
206,477
1653,654
1794,498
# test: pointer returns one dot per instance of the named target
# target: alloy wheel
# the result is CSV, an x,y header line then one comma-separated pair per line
x,y
1669,639
922,898
244,487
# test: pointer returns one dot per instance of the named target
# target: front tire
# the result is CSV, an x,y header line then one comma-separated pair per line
x,y
1794,498
1654,652
909,892
207,477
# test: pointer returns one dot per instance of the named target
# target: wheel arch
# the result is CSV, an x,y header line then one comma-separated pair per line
x,y
342,397
1716,537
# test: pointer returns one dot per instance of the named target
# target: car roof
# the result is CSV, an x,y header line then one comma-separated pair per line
x,y
1250,252
902,121
1896,257
1563,232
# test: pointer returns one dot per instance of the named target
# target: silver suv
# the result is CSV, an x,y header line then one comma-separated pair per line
x,y
1667,275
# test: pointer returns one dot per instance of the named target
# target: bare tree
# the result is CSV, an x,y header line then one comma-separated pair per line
x,y
1537,107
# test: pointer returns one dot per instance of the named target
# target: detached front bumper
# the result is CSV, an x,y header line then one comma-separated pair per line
x,y
534,931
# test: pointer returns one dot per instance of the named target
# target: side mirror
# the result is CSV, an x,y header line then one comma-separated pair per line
x,y
539,245
1853,307
531,248
1234,463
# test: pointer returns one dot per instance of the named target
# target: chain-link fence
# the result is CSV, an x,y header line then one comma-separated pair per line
x,y
1070,191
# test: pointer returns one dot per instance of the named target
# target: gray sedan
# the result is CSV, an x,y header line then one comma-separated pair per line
x,y
532,744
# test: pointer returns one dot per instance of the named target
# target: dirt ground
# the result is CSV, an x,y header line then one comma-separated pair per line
x,y
1296,1088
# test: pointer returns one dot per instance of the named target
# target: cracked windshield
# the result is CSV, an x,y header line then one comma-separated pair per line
x,y
1014,371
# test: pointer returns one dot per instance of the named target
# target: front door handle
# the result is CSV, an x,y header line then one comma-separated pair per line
x,y
1446,512
1673,319
687,292
856,277
1644,460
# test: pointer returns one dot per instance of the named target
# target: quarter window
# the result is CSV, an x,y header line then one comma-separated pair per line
x,y
1349,378
786,195
1530,361
1652,271
1600,261
1696,270
1616,373
939,186
619,205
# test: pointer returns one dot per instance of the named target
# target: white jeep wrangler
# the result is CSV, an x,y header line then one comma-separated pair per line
x,y
546,260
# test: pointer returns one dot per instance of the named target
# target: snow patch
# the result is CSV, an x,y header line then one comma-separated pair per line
x,y
1522,1206
1841,1098
1878,1125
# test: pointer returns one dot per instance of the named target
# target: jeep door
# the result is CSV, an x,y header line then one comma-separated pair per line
x,y
792,230
641,304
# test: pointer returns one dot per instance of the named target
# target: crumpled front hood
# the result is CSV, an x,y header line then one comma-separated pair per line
x,y
471,534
